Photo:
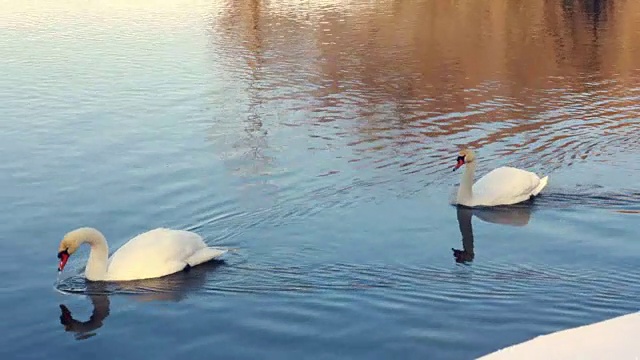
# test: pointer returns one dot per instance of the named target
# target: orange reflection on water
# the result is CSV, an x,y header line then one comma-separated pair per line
x,y
550,76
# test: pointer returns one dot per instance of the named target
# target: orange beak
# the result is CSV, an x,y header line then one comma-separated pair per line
x,y
459,163
64,257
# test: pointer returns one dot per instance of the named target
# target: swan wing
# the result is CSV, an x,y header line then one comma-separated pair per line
x,y
504,186
155,253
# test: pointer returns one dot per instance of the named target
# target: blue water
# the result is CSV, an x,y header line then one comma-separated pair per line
x,y
317,141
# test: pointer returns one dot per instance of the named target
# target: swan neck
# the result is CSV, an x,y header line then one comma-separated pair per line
x,y
465,192
97,264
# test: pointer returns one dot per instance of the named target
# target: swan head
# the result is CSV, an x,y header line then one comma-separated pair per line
x,y
67,247
464,157
70,243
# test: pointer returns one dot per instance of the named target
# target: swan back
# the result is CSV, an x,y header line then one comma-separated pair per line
x,y
153,254
503,186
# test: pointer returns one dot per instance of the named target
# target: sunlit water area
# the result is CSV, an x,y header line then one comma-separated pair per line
x,y
316,139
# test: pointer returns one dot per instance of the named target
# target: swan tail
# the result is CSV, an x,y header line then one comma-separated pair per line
x,y
541,185
205,254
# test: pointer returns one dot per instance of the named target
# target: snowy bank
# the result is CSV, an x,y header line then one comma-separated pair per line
x,y
615,338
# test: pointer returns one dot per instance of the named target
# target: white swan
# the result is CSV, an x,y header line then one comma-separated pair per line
x,y
153,254
502,186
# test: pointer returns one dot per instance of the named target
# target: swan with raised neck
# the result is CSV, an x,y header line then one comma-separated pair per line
x,y
501,186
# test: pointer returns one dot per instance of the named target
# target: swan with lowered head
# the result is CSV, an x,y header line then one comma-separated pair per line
x,y
502,186
153,254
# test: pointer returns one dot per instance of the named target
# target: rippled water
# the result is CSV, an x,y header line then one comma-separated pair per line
x,y
317,140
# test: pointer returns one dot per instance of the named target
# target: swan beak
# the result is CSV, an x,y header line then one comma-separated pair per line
x,y
460,163
63,256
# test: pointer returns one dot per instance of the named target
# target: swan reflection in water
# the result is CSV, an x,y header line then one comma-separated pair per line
x,y
85,329
513,215
173,287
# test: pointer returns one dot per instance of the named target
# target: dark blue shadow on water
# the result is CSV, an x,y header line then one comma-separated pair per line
x,y
174,287
510,215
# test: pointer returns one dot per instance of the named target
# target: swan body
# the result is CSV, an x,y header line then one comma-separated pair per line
x,y
152,254
502,186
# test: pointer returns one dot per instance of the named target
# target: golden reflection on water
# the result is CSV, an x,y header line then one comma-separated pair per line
x,y
422,77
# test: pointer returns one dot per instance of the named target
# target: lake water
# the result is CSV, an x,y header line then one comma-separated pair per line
x,y
317,139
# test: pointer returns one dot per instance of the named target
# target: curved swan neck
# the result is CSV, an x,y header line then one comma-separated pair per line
x,y
465,192
97,264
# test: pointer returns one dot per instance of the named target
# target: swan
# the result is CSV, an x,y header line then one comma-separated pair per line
x,y
502,186
152,254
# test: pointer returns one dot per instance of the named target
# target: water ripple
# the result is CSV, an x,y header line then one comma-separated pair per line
x,y
317,139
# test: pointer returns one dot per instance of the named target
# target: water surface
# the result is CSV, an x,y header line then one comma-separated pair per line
x,y
317,139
